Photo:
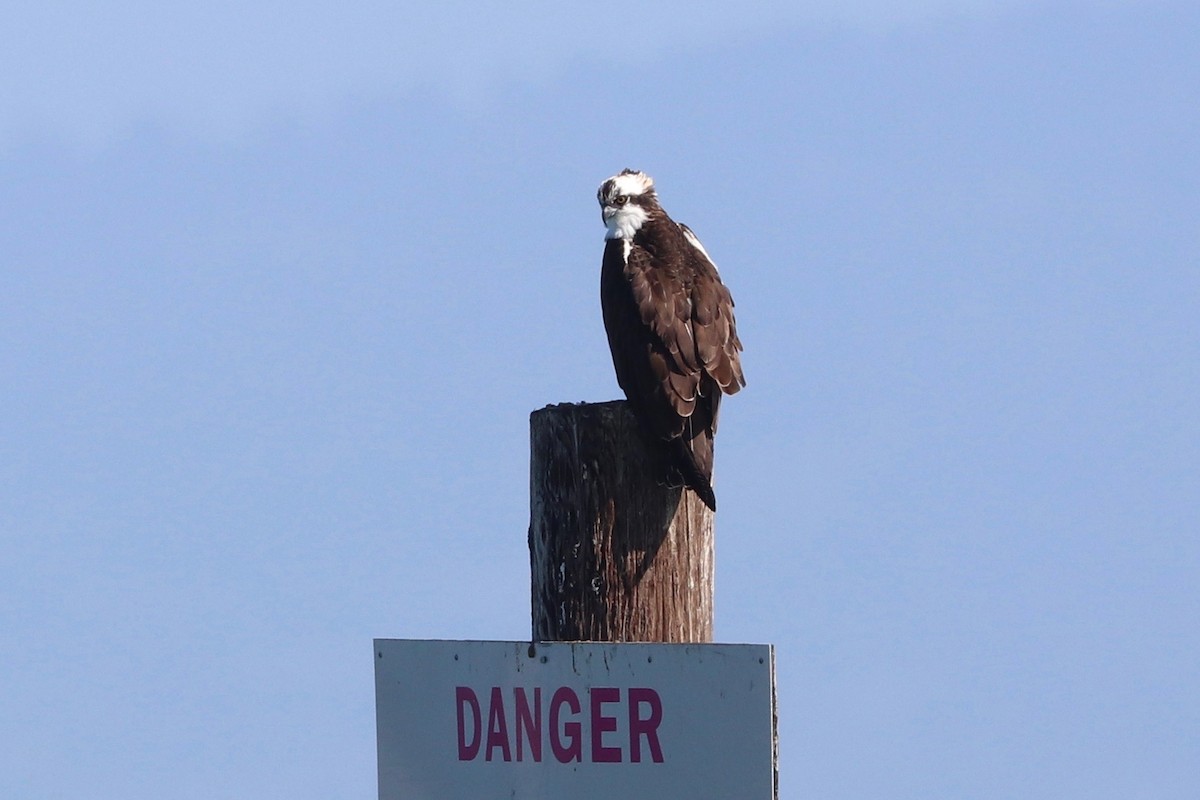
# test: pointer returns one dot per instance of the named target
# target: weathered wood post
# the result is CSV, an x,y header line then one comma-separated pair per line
x,y
615,554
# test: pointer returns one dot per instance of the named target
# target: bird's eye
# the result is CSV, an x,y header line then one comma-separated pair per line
x,y
621,199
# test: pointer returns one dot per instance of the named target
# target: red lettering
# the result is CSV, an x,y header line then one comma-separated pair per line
x,y
529,721
564,728
573,751
602,724
464,697
648,727
497,727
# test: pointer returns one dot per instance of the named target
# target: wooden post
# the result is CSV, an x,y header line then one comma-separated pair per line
x,y
615,554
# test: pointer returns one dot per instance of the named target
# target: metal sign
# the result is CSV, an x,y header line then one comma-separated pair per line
x,y
483,720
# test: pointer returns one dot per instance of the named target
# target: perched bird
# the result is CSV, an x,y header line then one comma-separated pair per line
x,y
670,326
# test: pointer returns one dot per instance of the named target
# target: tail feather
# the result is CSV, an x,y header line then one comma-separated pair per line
x,y
694,461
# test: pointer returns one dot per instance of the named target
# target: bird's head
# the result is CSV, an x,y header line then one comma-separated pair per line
x,y
627,200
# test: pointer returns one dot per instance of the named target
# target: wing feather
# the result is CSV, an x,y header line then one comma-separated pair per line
x,y
690,313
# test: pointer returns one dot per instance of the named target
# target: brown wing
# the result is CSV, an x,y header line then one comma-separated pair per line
x,y
681,300
713,326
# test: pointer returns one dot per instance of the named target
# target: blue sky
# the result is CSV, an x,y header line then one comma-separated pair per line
x,y
280,286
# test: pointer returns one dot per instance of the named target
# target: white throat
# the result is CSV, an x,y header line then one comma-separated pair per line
x,y
625,222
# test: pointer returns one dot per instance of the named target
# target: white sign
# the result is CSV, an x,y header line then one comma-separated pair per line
x,y
558,720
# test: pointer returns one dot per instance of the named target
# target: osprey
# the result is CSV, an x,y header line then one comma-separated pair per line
x,y
670,326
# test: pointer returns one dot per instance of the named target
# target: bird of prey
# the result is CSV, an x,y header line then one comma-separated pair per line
x,y
670,326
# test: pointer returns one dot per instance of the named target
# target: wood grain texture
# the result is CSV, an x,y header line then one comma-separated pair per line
x,y
615,553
